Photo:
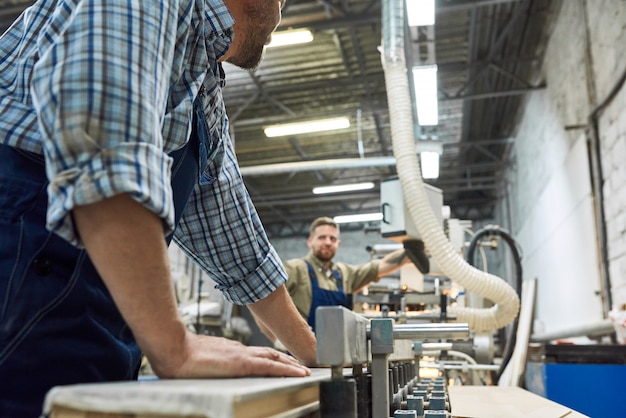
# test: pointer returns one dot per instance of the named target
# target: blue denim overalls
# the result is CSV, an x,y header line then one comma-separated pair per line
x,y
323,297
58,322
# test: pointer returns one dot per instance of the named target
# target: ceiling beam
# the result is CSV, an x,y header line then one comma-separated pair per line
x,y
493,94
452,6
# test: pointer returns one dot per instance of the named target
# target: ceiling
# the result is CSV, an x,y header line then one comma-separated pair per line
x,y
489,55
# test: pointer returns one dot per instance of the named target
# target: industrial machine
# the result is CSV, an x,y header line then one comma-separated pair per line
x,y
412,216
391,380
377,370
373,368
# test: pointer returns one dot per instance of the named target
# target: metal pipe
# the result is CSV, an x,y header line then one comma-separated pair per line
x,y
603,327
333,164
464,366
457,331
436,346
383,248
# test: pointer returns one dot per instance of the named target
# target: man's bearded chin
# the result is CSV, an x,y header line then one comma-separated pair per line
x,y
250,60
252,51
322,255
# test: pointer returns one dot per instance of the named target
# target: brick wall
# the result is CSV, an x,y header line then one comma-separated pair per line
x,y
550,206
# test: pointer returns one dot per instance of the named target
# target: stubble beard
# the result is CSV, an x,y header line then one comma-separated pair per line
x,y
249,58
321,255
253,47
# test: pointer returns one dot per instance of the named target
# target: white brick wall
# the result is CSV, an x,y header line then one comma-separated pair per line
x,y
607,20
547,144
612,127
564,66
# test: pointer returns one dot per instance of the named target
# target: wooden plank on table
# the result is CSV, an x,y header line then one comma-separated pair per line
x,y
499,401
277,404
62,412
207,398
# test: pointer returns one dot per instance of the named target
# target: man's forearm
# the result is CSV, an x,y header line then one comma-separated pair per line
x,y
264,329
126,243
392,262
278,313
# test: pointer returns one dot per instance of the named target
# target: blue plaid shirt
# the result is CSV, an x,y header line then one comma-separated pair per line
x,y
104,90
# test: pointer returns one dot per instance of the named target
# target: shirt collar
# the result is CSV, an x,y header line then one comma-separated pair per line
x,y
220,25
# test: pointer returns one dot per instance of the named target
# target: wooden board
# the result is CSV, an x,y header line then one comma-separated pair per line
x,y
509,402
207,398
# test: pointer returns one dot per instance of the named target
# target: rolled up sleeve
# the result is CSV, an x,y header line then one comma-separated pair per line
x,y
101,99
141,170
222,232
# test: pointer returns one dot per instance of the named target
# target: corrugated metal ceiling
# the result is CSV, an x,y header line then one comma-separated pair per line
x,y
489,54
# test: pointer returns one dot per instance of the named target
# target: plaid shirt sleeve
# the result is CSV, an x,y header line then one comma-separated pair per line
x,y
100,89
113,84
222,232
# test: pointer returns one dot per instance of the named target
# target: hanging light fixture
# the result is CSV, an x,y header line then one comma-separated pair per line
x,y
425,83
420,12
290,37
339,188
306,127
429,151
363,217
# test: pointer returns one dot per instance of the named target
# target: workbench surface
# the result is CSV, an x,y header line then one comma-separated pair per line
x,y
263,397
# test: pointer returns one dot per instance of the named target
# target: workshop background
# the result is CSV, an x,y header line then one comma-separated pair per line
x,y
531,103
532,130
554,178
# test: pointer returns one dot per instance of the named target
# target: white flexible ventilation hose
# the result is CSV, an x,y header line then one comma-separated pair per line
x,y
451,263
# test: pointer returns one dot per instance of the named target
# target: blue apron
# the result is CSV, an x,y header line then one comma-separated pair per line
x,y
323,297
58,322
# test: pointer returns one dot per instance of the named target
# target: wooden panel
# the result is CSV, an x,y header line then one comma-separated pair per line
x,y
62,412
207,398
280,404
498,402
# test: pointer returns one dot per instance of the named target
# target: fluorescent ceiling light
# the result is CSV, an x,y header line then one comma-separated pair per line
x,y
420,12
429,162
425,82
290,37
307,127
343,188
364,217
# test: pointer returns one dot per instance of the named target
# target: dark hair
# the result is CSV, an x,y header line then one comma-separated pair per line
x,y
323,220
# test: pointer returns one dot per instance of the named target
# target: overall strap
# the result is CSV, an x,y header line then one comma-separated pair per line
x,y
323,297
186,169
313,277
